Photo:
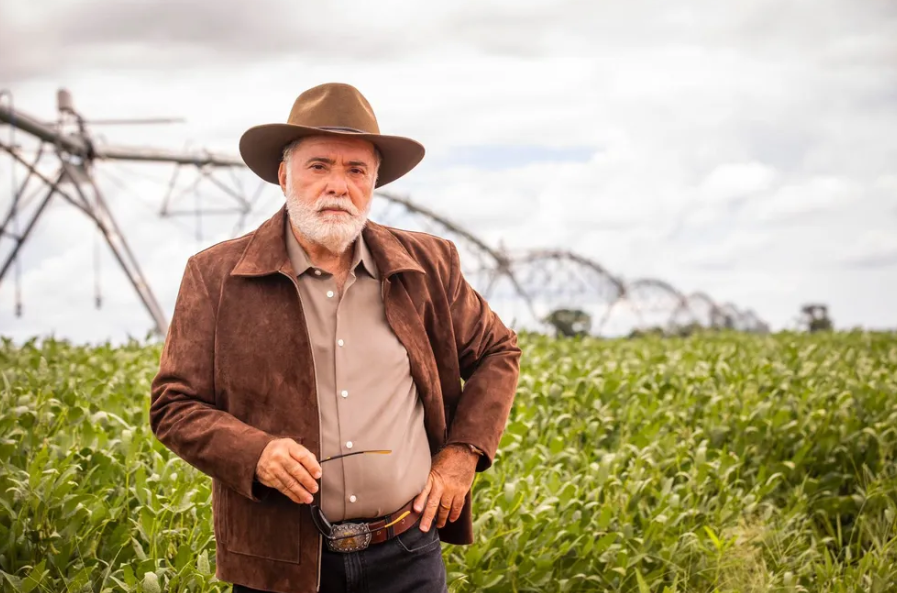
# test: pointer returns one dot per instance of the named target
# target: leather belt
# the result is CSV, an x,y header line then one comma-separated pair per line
x,y
373,532
379,530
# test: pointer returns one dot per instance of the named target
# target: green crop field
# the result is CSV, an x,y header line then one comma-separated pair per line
x,y
719,462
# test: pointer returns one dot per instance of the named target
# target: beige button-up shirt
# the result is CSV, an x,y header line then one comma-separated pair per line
x,y
366,395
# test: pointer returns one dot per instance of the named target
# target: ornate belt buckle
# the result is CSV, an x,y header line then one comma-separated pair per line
x,y
353,537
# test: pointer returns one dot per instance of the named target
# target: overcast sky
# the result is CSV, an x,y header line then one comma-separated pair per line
x,y
747,149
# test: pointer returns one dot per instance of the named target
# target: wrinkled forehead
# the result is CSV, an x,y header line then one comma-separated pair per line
x,y
337,148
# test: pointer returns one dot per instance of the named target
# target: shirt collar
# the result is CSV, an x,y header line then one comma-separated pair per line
x,y
302,263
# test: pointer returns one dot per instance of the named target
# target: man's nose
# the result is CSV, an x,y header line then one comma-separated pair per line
x,y
337,183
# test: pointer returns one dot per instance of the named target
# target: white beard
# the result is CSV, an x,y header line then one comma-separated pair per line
x,y
334,232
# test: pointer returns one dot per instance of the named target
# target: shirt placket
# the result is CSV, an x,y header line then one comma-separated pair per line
x,y
349,440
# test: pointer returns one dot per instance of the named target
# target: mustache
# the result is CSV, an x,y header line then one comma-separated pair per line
x,y
336,203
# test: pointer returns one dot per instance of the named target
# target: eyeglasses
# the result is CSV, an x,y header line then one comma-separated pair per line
x,y
324,526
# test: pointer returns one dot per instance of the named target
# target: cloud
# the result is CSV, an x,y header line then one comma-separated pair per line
x,y
59,35
735,251
797,201
513,156
740,148
875,249
732,181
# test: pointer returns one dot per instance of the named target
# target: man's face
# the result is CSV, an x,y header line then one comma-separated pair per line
x,y
329,183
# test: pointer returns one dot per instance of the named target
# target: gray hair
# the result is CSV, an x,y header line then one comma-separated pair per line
x,y
289,148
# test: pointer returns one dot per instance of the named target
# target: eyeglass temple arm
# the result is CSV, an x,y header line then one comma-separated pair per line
x,y
402,516
316,497
377,452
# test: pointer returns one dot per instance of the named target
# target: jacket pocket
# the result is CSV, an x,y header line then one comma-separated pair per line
x,y
266,529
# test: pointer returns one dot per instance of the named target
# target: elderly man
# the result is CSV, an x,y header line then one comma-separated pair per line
x,y
313,368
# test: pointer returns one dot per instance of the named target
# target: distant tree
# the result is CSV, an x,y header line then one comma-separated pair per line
x,y
570,322
686,330
816,317
655,330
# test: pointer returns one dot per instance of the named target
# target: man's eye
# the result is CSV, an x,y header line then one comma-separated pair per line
x,y
357,171
318,166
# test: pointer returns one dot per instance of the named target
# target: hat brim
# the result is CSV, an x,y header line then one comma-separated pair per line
x,y
262,149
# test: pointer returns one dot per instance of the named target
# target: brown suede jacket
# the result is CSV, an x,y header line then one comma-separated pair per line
x,y
236,372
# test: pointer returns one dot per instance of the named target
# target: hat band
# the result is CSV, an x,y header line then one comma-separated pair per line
x,y
341,129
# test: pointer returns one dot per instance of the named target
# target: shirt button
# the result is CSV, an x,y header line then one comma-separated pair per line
x,y
329,294
349,445
340,342
352,498
317,272
344,393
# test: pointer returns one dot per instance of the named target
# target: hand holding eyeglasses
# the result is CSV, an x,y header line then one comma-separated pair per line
x,y
290,468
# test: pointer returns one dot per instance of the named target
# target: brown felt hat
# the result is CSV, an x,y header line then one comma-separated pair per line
x,y
331,109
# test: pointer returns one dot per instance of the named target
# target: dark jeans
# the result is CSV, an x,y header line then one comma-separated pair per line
x,y
411,562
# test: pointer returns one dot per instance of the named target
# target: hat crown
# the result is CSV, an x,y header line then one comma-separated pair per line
x,y
334,109
334,105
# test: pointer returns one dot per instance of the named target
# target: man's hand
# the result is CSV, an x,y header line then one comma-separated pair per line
x,y
290,468
451,476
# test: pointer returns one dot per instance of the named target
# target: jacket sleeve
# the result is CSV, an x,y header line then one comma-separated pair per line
x,y
183,411
490,366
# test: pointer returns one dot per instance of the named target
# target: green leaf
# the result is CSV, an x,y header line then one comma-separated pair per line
x,y
128,574
604,542
494,581
35,577
150,583
183,557
202,563
716,543
642,585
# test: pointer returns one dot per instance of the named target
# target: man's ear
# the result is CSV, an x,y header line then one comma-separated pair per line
x,y
282,177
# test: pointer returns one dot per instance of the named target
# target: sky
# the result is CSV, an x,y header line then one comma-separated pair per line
x,y
745,149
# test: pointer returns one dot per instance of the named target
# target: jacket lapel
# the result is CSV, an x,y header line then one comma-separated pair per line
x,y
267,249
401,313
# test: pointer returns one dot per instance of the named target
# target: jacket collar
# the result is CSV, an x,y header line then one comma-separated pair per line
x,y
266,252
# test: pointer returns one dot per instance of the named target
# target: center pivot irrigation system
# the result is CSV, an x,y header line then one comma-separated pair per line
x,y
59,160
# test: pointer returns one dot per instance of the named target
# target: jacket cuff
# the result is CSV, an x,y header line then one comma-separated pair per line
x,y
259,491
485,460
249,486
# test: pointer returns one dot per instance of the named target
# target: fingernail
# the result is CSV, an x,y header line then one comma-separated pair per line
x,y
317,475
